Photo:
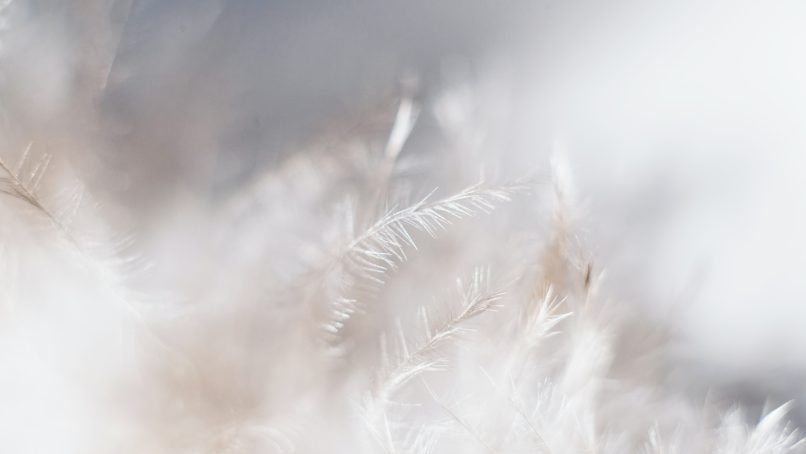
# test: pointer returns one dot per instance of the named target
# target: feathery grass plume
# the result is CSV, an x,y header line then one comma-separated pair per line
x,y
399,368
536,324
384,243
105,259
771,435
382,246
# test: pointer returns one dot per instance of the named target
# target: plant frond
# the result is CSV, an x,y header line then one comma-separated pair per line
x,y
398,370
477,298
540,324
381,247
